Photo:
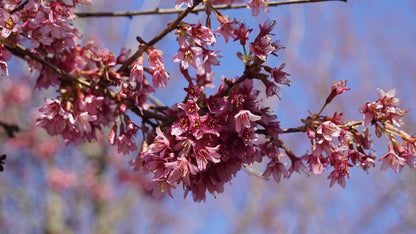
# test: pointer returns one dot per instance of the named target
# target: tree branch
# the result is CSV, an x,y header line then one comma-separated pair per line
x,y
158,11
21,52
162,34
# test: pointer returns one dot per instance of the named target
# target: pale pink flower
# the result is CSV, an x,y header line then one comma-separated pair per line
x,y
328,130
160,144
179,3
155,59
261,47
181,168
125,144
392,160
255,6
160,77
243,119
136,73
241,33
205,153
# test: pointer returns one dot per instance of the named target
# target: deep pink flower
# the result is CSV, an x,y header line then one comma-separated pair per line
x,y
337,88
261,47
387,98
242,34
297,165
125,144
123,56
209,58
227,27
368,111
180,126
202,35
136,73
184,146
277,169
83,120
8,23
108,58
341,169
210,125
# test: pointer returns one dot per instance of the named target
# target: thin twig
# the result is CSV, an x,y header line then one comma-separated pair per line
x,y
159,37
158,11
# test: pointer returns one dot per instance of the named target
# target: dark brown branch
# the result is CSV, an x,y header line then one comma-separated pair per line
x,y
158,11
159,37
21,52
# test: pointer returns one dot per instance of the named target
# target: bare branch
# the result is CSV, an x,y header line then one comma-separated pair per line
x,y
10,129
158,11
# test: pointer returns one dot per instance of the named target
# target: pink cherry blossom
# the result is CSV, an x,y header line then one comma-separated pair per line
x,y
243,119
204,153
155,59
328,130
277,169
392,160
202,35
160,77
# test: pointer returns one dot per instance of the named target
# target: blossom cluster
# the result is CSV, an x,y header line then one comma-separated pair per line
x,y
204,140
340,145
386,116
209,138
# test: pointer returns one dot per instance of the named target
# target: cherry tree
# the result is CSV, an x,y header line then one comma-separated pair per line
x,y
207,136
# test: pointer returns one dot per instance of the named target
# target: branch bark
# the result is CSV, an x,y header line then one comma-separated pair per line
x,y
158,11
